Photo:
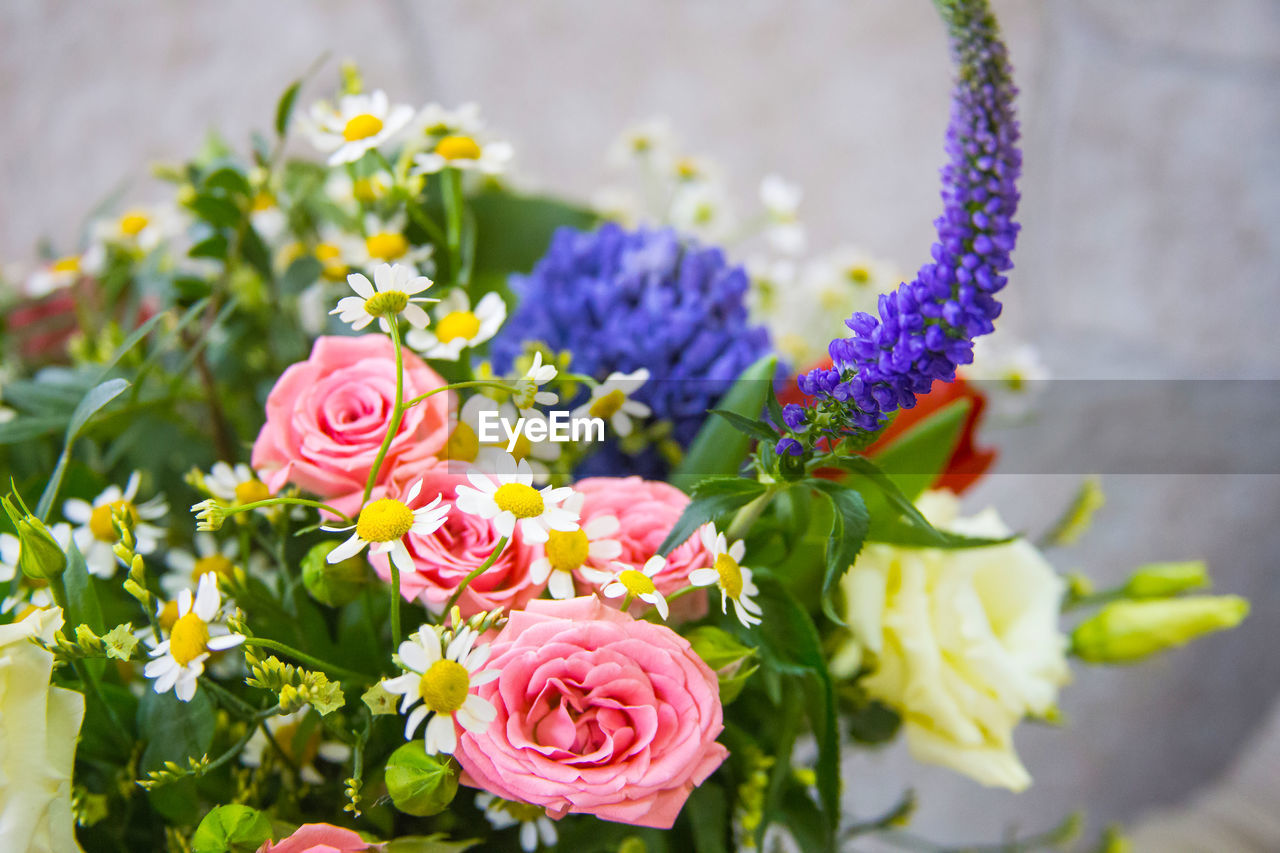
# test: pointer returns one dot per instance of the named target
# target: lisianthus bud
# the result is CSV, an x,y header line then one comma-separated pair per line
x,y
40,556
1162,580
1127,631
420,784
334,584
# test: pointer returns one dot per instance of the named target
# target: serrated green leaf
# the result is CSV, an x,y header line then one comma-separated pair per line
x,y
850,522
700,510
753,428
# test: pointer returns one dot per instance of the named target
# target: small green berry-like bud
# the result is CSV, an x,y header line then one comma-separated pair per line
x,y
421,784
334,584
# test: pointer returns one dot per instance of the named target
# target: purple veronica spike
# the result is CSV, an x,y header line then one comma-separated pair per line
x,y
926,328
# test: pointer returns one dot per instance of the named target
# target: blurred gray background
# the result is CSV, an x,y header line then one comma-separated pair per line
x,y
1151,249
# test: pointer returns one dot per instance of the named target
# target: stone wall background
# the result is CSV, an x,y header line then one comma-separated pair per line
x,y
1151,250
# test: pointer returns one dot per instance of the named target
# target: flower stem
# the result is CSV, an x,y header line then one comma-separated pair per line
x,y
475,573
309,660
58,588
397,412
748,514
473,383
451,191
395,603
342,516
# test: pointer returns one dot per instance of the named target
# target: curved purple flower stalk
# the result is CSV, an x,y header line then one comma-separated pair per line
x,y
926,328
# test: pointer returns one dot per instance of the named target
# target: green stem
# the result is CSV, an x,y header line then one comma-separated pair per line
x,y
229,700
471,383
419,216
1093,599
748,514
90,681
309,660
240,744
397,412
451,191
395,603
475,573
232,510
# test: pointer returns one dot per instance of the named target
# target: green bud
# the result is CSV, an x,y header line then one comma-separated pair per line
x,y
633,844
334,584
39,556
1113,841
352,82
1127,631
1161,580
730,659
420,784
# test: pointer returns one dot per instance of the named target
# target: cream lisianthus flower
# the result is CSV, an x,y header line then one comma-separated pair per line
x,y
39,724
963,643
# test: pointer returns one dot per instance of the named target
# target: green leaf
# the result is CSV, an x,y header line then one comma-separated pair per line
x,y
437,843
301,273
721,495
231,829
175,731
708,811
891,532
98,396
916,459
210,247
216,210
228,180
754,428
513,231
873,723
82,598
284,108
255,251
718,447
850,522
25,429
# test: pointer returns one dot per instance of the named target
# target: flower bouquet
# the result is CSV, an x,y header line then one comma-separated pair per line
x,y
510,527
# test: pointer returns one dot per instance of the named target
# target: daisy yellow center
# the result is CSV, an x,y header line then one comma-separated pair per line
x,y
386,245
133,222
457,324
567,551
518,499
444,686
522,449
387,302
384,520
301,751
326,252
464,444
263,201
188,639
100,524
637,583
362,127
330,256
365,190
216,563
858,274
169,615
730,575
458,148
69,264
687,169
252,491
607,405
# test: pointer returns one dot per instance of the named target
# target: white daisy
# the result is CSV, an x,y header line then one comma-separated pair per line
x,y
350,194
55,275
267,217
649,141
357,124
95,534
436,122
236,485
781,200
638,583
443,682
457,327
142,228
611,401
733,579
527,393
384,242
179,660
392,292
384,523
467,448
567,552
504,493
300,736
534,824
187,567
466,152
701,207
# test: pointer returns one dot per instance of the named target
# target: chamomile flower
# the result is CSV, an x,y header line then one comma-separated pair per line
x,y
391,292
467,446
268,218
55,275
141,228
466,152
95,534
733,579
504,493
457,326
701,207
539,374
385,242
350,193
534,824
436,122
300,736
237,485
384,523
357,124
648,141
781,200
611,401
178,661
566,552
638,583
187,567
443,681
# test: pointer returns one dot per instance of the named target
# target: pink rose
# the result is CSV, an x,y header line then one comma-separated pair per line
x,y
320,838
448,555
598,713
646,511
327,417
